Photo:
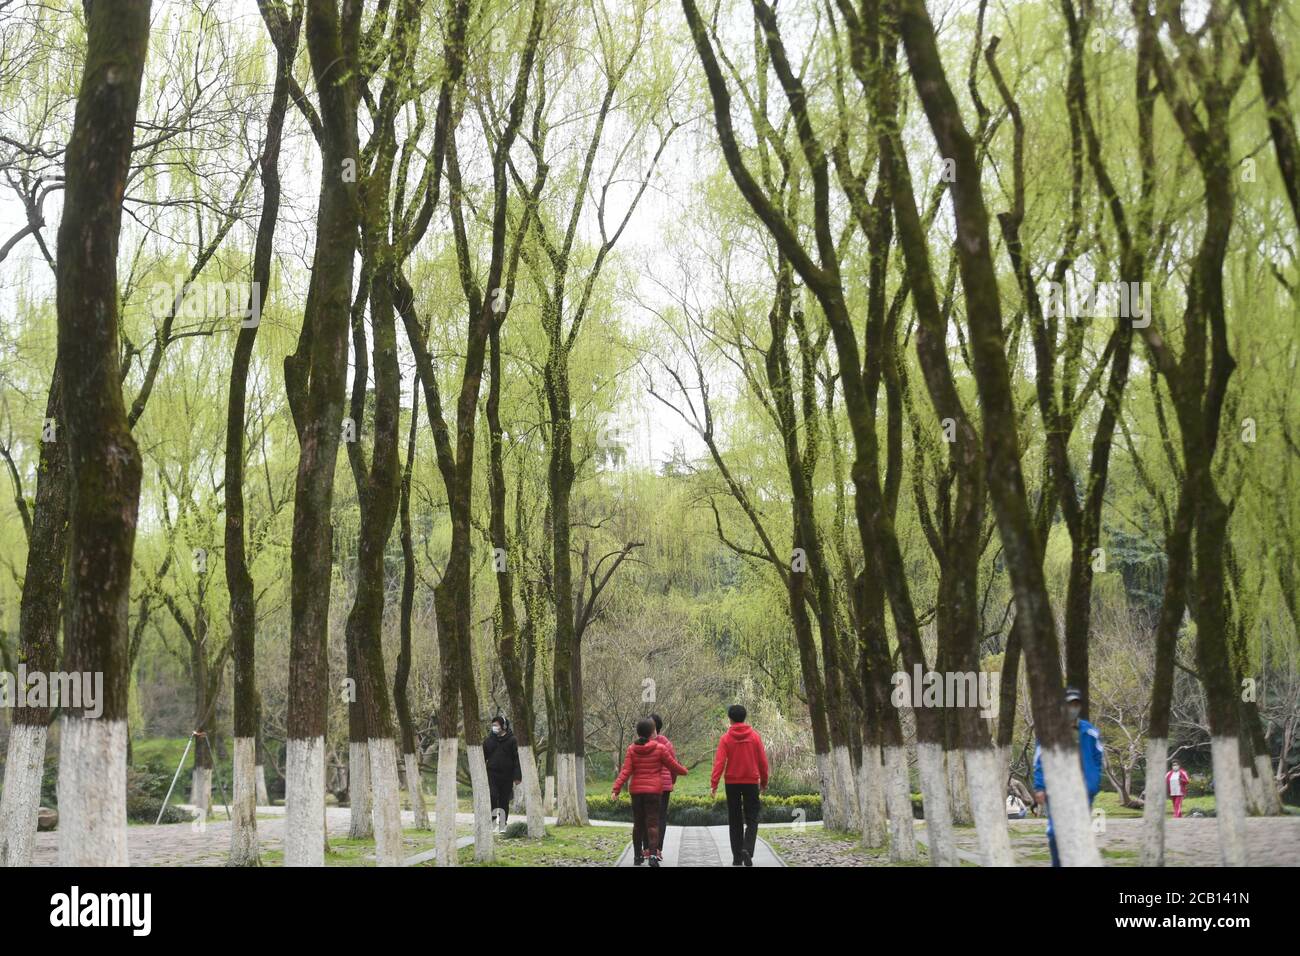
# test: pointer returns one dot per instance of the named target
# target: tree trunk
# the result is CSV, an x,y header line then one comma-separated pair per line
x,y
103,460
38,627
315,379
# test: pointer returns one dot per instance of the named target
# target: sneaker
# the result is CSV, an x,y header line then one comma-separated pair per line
x,y
736,861
654,861
749,860
637,860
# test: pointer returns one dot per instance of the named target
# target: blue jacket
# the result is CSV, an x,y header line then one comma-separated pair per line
x,y
1092,756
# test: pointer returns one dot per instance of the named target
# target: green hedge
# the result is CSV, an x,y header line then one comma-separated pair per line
x,y
687,811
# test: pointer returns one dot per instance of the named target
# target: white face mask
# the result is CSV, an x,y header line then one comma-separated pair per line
x,y
496,729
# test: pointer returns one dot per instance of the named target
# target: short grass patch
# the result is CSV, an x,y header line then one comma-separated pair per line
x,y
562,846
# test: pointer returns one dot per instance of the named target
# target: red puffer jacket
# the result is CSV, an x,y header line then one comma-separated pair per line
x,y
668,775
645,764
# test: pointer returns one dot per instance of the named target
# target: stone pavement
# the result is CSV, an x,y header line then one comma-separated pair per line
x,y
703,846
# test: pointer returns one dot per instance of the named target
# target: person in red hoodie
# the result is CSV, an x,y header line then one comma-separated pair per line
x,y
645,763
669,778
743,760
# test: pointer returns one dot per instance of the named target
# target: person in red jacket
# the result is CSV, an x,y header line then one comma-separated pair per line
x,y
742,758
1176,781
645,763
669,778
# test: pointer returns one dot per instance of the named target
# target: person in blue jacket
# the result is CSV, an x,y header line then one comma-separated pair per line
x,y
1091,754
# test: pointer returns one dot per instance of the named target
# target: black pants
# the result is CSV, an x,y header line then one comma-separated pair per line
x,y
663,818
742,817
645,822
503,791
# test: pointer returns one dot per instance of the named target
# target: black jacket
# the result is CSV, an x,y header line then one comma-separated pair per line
x,y
501,751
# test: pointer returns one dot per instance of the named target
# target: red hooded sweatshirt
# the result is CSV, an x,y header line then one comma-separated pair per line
x,y
646,764
741,754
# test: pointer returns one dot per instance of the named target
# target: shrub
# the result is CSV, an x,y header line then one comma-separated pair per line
x,y
146,788
515,831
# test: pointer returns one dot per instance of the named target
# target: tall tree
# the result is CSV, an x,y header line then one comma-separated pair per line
x,y
284,27
315,378
103,460
1060,745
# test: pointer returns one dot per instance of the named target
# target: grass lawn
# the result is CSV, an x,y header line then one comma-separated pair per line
x,y
562,846
348,852
1108,801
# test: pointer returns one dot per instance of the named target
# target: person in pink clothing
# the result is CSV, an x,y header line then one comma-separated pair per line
x,y
1176,781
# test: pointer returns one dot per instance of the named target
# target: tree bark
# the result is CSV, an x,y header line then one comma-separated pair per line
x,y
103,459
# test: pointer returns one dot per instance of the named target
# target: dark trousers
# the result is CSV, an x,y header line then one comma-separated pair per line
x,y
503,791
645,822
663,818
742,817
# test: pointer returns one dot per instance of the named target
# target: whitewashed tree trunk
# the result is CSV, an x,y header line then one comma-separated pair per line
x,y
386,800
1153,806
845,786
871,797
548,799
92,792
484,845
532,794
1229,800
830,809
580,785
934,801
304,799
243,807
1071,820
959,797
566,791
1272,802
21,800
415,791
898,804
201,791
259,777
361,826
988,807
444,818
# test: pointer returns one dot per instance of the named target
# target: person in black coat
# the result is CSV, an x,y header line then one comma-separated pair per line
x,y
501,753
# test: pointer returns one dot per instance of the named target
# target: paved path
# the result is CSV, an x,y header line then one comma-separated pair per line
x,y
703,846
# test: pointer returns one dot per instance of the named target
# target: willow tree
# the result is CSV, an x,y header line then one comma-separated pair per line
x,y
821,270
1001,444
103,459
557,270
452,595
373,749
284,27
1198,82
315,379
